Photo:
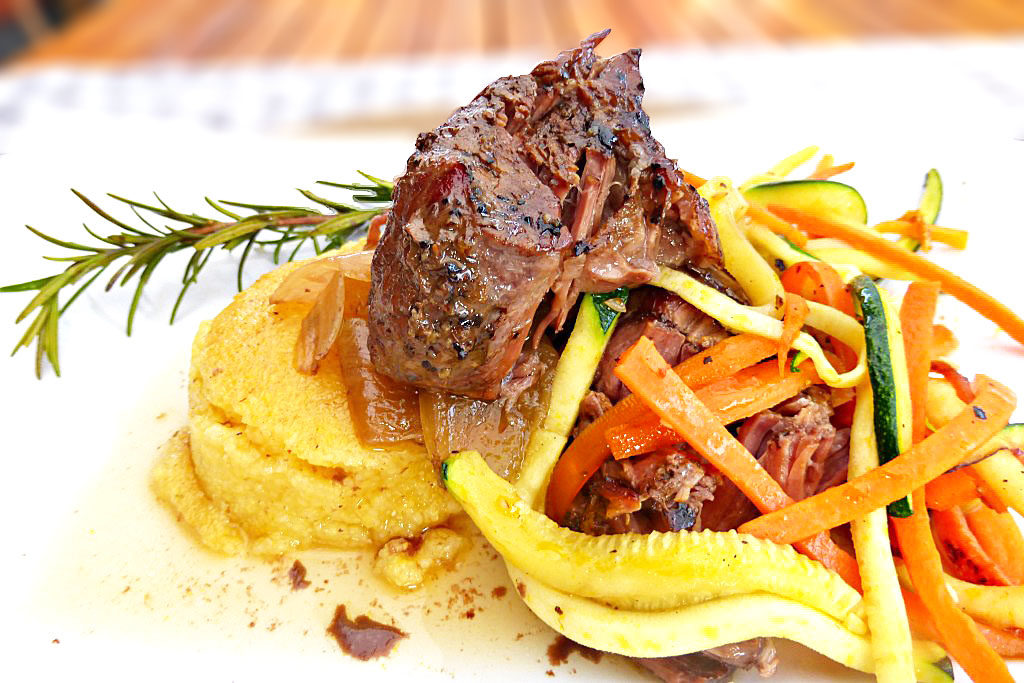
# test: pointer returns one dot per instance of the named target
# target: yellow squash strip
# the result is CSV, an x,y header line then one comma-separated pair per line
x,y
838,253
573,376
740,318
1004,474
1002,471
774,248
782,169
883,602
657,570
1001,606
758,279
709,624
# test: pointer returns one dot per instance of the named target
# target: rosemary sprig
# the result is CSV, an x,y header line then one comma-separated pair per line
x,y
140,250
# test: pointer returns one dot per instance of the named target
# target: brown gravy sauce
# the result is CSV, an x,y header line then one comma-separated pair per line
x,y
559,651
297,576
363,638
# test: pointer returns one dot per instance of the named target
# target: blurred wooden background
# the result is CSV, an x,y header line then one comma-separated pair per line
x,y
130,30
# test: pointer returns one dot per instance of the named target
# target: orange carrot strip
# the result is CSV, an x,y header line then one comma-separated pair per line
x,y
950,490
692,178
925,232
962,385
958,632
943,341
645,372
916,314
761,215
1009,642
793,317
1000,538
749,391
985,492
825,171
868,241
818,281
944,449
967,558
589,450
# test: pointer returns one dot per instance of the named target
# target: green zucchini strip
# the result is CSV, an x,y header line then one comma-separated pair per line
x,y
709,624
887,370
573,377
639,571
740,318
883,601
758,279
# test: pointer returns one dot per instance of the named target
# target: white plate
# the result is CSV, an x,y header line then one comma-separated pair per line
x,y
99,578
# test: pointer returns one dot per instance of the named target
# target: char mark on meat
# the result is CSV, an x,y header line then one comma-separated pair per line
x,y
546,182
677,329
797,445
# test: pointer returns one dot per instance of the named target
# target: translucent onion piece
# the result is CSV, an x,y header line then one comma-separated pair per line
x,y
321,325
383,411
499,429
304,284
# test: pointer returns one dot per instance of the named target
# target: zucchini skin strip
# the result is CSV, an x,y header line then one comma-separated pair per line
x,y
883,601
684,630
740,318
573,376
887,370
656,570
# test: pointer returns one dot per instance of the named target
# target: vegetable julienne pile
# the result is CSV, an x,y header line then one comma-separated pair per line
x,y
931,452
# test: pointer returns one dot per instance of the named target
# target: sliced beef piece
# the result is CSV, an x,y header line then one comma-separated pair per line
x,y
694,668
715,664
594,405
798,446
546,182
677,329
662,491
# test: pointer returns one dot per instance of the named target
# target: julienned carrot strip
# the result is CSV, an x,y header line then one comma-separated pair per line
x,y
876,245
944,449
962,385
1008,642
916,314
958,632
943,341
780,227
818,281
967,558
645,372
749,391
794,315
589,450
949,236
950,490
826,171
1000,537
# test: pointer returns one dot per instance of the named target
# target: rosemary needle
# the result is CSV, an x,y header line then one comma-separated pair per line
x,y
139,250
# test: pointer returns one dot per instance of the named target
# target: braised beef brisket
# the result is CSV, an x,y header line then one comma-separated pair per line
x,y
547,182
662,491
677,329
715,664
798,446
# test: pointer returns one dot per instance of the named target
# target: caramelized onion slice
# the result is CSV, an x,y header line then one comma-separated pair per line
x,y
304,284
321,325
383,411
498,429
